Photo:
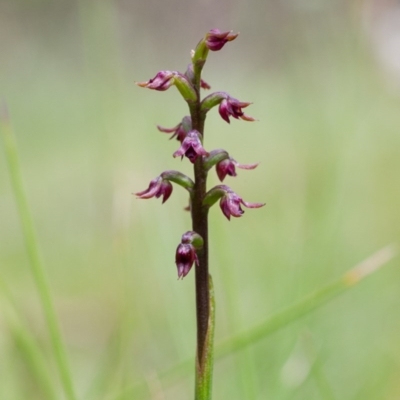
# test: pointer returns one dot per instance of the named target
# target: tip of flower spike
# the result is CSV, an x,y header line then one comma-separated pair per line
x,y
215,39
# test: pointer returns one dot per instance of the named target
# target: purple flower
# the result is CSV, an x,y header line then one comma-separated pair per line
x,y
179,131
230,203
162,81
233,107
158,187
191,147
228,167
185,256
215,39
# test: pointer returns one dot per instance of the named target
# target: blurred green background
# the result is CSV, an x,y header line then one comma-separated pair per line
x,y
324,78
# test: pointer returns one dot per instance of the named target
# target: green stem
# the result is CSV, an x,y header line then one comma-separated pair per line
x,y
200,226
38,272
204,366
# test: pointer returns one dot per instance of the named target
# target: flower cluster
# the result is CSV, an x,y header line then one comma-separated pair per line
x,y
189,132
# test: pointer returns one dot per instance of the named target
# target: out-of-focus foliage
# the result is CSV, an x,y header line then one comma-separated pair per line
x,y
323,79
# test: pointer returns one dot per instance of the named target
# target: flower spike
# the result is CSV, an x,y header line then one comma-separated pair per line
x,y
191,147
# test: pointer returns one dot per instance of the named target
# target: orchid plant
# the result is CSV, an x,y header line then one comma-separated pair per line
x,y
193,248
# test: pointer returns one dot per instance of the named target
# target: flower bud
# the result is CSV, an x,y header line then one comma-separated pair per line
x,y
185,254
215,39
193,238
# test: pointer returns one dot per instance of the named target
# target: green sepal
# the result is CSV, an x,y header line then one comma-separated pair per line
x,y
185,88
214,194
214,158
212,100
200,54
179,178
199,58
194,239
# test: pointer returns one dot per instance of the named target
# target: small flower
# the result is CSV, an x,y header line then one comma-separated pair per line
x,y
165,79
179,131
185,256
191,147
233,107
230,203
228,167
215,39
162,81
158,187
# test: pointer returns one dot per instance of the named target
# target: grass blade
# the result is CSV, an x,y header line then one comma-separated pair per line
x,y
279,320
28,346
32,248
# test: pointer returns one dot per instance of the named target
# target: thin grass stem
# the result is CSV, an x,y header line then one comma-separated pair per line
x,y
38,272
27,344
